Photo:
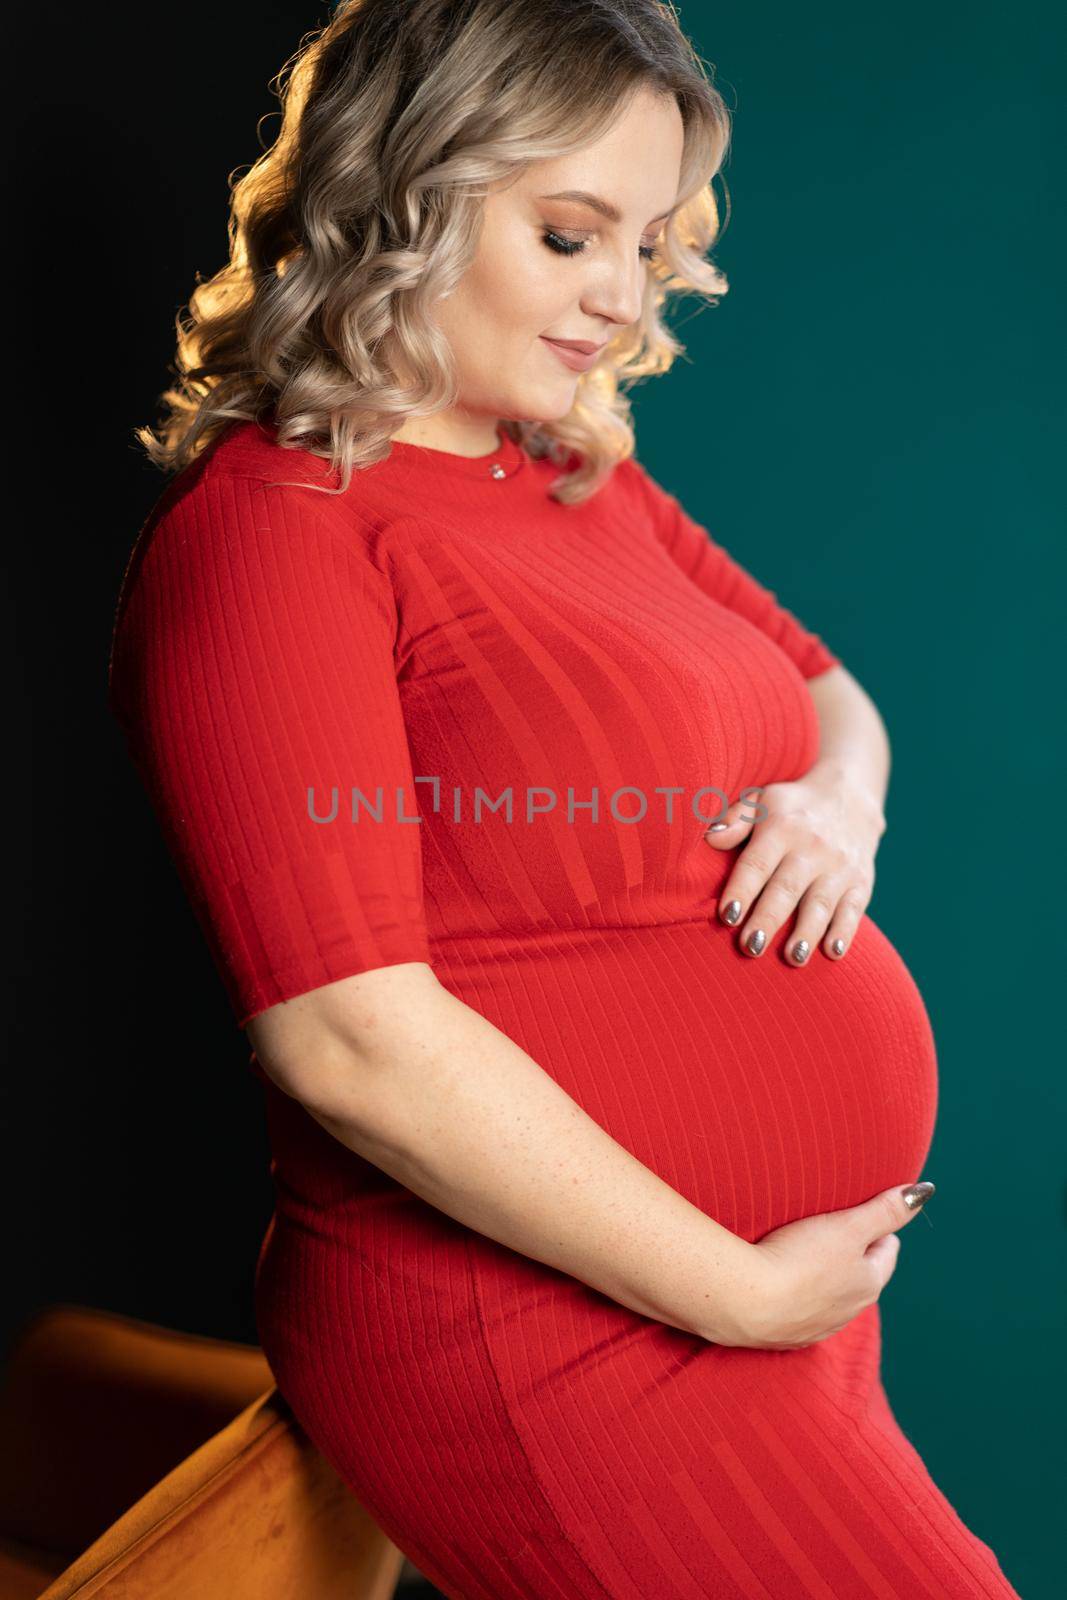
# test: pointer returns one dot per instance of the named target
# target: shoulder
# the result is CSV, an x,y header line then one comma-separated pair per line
x,y
636,481
247,529
246,469
249,499
632,495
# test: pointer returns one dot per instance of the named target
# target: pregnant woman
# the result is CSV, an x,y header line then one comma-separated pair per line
x,y
594,1132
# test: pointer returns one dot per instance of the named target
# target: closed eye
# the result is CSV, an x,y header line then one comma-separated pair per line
x,y
572,247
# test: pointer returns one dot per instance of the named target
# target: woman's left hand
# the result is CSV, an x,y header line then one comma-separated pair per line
x,y
814,848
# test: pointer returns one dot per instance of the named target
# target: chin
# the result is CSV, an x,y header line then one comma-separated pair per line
x,y
551,408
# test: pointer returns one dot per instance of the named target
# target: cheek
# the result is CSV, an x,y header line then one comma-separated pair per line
x,y
524,288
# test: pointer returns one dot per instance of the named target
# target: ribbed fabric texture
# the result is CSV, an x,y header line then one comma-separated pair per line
x,y
445,635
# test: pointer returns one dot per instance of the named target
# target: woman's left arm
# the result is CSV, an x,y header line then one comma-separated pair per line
x,y
813,844
853,742
812,849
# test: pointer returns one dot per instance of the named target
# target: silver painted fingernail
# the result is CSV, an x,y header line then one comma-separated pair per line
x,y
917,1194
800,950
732,912
756,940
838,947
717,827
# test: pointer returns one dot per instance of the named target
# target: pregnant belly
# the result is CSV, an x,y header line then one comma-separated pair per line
x,y
761,1092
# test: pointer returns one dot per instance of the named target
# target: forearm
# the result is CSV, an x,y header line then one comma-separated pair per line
x,y
853,741
457,1112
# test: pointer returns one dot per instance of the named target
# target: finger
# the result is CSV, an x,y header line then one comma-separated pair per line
x,y
884,1253
844,922
775,903
889,1211
751,871
735,824
819,1337
817,906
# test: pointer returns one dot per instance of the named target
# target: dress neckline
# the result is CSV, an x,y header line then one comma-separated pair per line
x,y
505,461
256,441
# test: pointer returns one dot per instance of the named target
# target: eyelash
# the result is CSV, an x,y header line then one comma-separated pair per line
x,y
572,247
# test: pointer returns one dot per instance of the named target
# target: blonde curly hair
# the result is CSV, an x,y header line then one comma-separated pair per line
x,y
396,116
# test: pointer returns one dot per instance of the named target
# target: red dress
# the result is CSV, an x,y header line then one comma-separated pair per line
x,y
451,631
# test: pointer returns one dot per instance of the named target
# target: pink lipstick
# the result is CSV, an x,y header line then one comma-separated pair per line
x,y
578,354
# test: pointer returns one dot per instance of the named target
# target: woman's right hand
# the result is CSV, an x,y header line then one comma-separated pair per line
x,y
814,1275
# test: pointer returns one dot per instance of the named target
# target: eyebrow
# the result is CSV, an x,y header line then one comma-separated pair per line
x,y
595,203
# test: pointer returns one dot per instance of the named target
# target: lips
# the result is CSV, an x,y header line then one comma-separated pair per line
x,y
588,347
578,354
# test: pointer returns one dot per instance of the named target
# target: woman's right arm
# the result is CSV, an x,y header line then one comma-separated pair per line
x,y
426,1088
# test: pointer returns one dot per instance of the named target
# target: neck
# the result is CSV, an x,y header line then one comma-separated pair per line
x,y
446,431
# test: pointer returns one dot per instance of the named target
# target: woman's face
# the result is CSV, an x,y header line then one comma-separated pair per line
x,y
528,281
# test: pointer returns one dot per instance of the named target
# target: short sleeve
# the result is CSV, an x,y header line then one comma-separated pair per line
x,y
253,673
725,580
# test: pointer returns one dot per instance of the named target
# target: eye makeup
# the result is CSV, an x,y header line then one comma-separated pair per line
x,y
573,247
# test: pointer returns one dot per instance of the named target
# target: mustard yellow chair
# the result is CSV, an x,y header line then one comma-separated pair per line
x,y
149,1464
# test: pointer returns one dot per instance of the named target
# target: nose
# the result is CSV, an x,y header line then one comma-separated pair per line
x,y
617,291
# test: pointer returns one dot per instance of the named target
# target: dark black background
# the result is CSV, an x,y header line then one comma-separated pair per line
x,y
135,1156
136,1159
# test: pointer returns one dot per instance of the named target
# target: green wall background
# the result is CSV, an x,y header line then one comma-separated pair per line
x,y
872,421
